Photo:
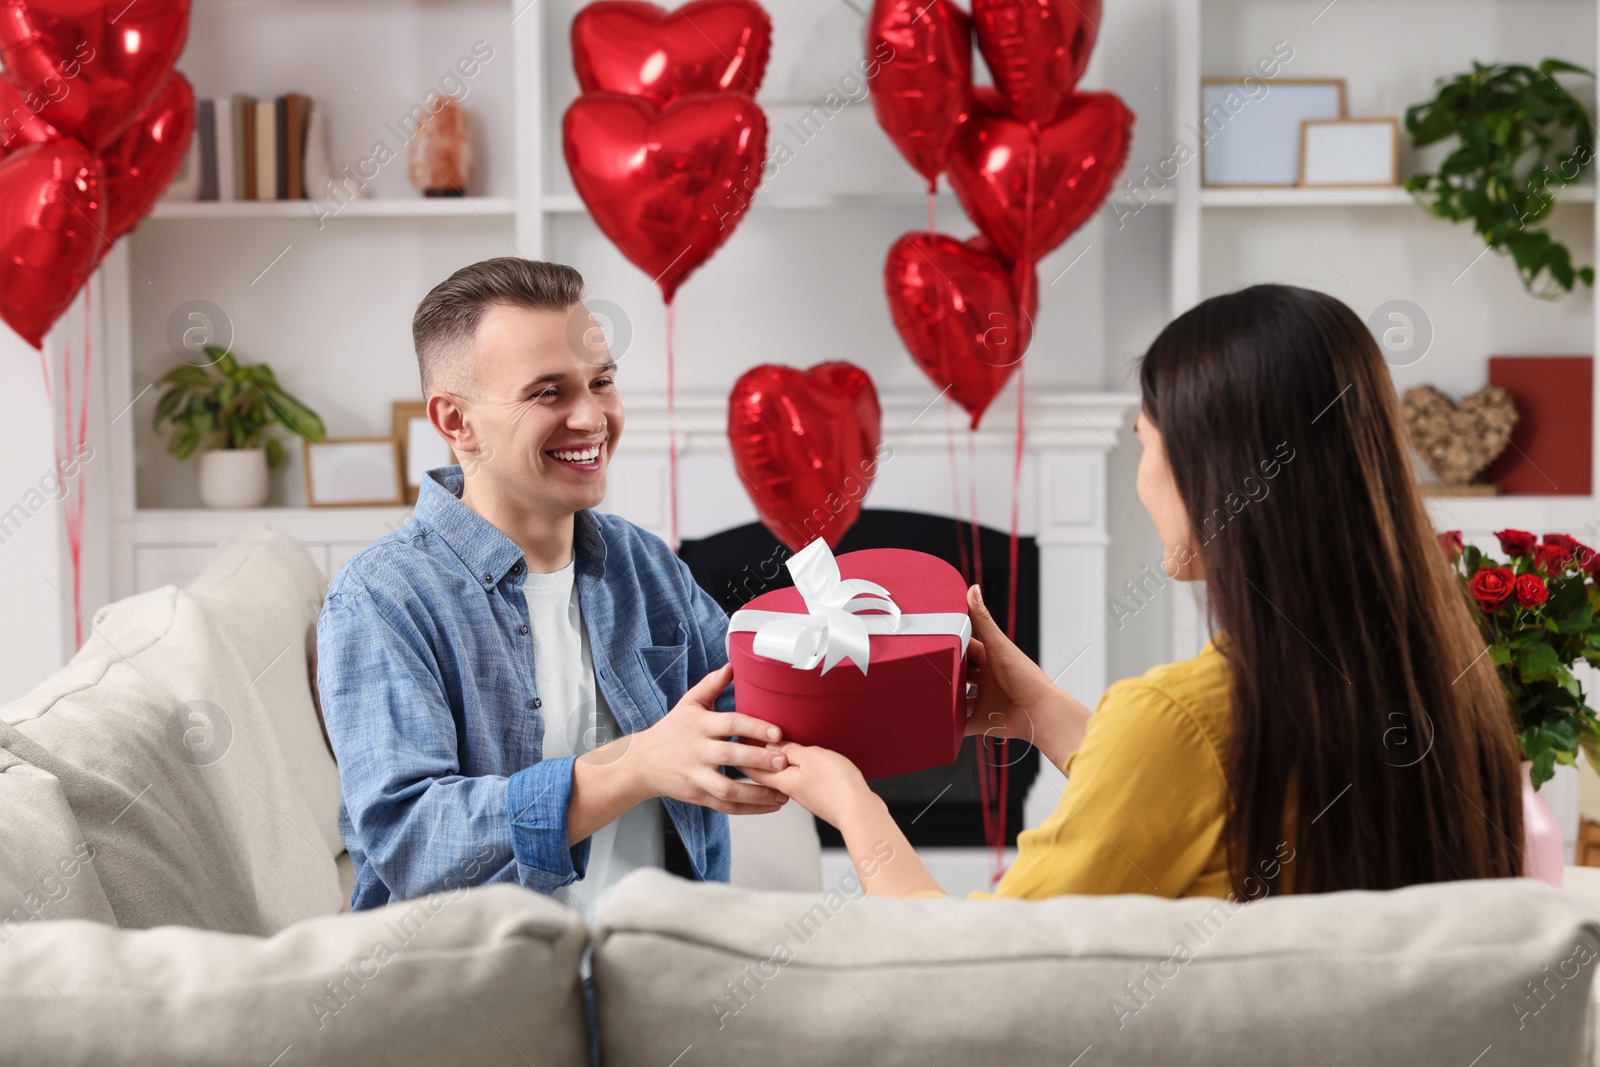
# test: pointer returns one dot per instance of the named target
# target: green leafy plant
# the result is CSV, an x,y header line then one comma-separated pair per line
x,y
1522,137
1537,611
232,408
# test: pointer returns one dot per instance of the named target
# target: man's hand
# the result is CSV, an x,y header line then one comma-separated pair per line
x,y
677,757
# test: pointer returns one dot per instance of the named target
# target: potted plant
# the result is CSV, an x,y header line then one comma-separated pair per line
x,y
229,412
1522,137
1537,611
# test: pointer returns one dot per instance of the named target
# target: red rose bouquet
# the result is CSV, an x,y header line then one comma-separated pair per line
x,y
1537,611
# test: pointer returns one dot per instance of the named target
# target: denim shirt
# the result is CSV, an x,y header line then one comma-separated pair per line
x,y
425,674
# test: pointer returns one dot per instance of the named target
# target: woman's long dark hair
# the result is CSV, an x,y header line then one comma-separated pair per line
x,y
1362,698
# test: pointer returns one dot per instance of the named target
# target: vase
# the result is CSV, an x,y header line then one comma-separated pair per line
x,y
233,478
1543,853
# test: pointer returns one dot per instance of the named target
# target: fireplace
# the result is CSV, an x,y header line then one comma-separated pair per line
x,y
1062,616
940,806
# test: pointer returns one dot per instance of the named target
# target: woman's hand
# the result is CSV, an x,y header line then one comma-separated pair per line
x,y
1011,696
825,783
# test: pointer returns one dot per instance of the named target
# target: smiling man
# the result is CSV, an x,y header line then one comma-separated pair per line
x,y
506,679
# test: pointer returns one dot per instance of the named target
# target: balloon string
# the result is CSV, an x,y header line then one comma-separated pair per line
x,y
672,432
75,510
932,192
955,490
972,521
995,806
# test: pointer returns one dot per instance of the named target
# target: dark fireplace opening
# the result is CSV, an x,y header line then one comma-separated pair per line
x,y
940,806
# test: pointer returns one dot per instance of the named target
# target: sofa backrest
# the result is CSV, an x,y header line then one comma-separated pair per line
x,y
1427,975
175,754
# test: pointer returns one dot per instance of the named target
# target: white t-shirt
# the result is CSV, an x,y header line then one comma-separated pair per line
x,y
577,719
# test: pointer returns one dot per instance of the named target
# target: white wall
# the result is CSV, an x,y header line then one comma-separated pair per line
x,y
34,618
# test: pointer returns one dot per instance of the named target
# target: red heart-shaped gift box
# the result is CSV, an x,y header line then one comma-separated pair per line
x,y
905,712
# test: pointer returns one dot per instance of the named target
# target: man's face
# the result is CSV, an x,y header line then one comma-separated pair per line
x,y
546,411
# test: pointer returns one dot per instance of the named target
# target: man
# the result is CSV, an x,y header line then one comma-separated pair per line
x,y
506,678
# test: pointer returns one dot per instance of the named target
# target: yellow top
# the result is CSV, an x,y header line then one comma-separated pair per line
x,y
1146,795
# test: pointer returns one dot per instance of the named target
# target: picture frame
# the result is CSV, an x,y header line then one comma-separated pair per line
x,y
344,472
1250,127
1350,153
421,449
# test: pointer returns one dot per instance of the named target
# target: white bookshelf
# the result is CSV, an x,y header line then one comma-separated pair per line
x,y
386,208
1371,245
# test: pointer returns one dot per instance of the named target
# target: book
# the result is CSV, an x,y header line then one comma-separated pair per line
x,y
227,149
205,132
247,141
266,150
239,130
280,146
295,143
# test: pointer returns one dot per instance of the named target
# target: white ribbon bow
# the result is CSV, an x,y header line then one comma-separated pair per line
x,y
833,628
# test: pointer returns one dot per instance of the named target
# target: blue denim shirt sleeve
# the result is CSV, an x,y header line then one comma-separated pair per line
x,y
421,823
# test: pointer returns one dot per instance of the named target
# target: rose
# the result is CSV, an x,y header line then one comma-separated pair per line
x,y
1531,590
1452,544
1580,551
1491,587
1516,542
1552,559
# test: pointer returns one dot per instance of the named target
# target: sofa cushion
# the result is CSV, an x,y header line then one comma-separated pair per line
x,y
49,864
473,977
263,592
1425,975
164,748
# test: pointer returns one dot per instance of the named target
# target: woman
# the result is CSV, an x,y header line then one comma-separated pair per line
x,y
1344,729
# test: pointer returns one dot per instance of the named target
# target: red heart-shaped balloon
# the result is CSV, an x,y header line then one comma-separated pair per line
x,y
20,125
667,186
139,165
1074,162
51,216
806,445
955,306
708,46
1036,50
923,90
92,65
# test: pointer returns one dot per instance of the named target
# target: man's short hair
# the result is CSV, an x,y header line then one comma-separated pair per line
x,y
447,319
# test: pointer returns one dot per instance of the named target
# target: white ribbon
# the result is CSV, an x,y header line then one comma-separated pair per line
x,y
833,627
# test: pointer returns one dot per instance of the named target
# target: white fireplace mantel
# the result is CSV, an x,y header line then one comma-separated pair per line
x,y
1062,502
1062,505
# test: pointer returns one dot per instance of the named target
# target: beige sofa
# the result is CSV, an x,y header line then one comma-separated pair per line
x,y
171,892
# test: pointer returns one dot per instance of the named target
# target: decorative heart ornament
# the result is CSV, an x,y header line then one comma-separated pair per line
x,y
1459,441
666,186
1073,163
956,308
708,46
805,444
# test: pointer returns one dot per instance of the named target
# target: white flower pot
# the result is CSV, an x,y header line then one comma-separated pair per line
x,y
233,478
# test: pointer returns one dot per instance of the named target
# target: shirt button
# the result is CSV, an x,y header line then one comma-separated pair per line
x,y
516,568
538,703
488,579
522,629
